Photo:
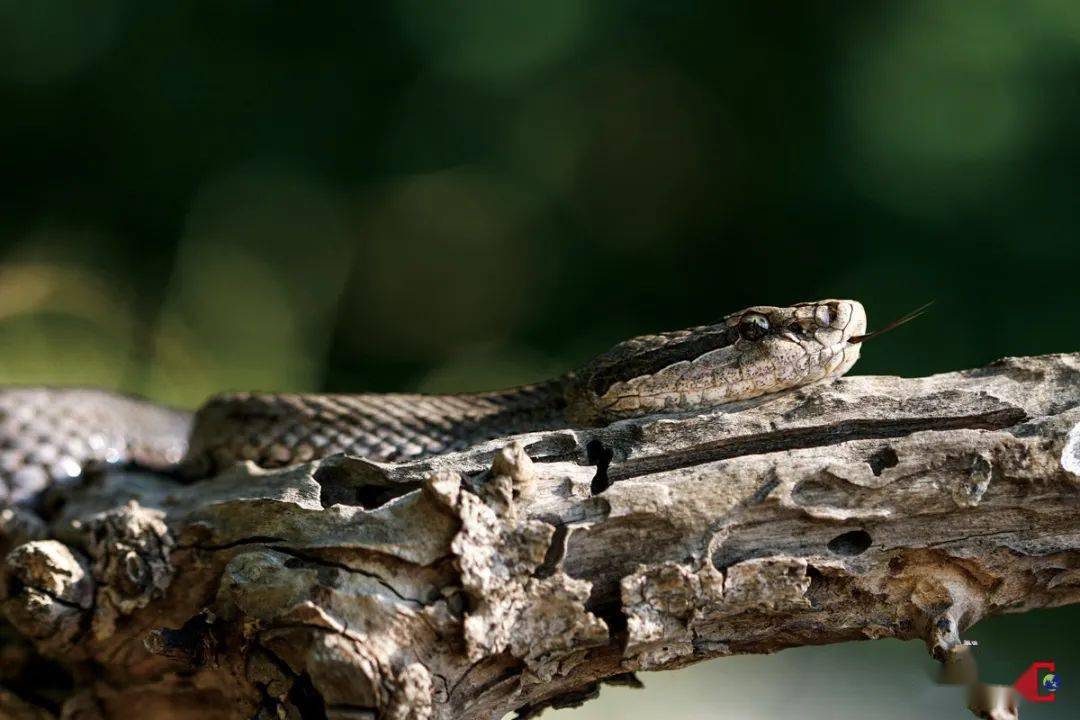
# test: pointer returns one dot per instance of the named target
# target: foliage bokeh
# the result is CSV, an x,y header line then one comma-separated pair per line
x,y
406,195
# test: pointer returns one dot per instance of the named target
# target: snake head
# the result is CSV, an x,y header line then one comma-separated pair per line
x,y
759,350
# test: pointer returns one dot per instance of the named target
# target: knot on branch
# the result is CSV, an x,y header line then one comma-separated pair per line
x,y
129,548
669,606
947,595
49,594
538,620
660,603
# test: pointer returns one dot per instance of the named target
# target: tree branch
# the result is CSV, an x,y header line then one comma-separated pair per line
x,y
521,574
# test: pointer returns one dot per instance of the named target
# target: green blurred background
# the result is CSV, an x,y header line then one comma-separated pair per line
x,y
453,196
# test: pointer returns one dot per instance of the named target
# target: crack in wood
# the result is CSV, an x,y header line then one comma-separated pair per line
x,y
809,437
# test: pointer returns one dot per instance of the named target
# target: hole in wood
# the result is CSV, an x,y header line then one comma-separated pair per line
x,y
599,455
883,459
555,552
818,491
306,699
337,485
850,543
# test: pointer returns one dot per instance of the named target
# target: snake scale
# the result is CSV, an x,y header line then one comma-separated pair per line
x,y
52,435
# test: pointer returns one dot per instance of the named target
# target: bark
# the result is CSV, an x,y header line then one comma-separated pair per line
x,y
524,573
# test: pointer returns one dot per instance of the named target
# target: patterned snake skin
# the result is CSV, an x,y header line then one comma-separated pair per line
x,y
273,430
52,435
49,435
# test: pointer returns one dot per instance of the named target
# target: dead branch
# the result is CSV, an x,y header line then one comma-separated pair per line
x,y
521,574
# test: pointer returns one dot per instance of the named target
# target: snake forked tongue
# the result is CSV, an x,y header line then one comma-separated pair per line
x,y
893,325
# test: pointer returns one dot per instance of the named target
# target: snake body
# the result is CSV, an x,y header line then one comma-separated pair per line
x,y
51,435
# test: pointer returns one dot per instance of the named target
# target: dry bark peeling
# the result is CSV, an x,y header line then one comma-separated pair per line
x,y
523,573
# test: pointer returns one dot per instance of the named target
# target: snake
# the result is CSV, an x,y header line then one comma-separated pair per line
x,y
56,435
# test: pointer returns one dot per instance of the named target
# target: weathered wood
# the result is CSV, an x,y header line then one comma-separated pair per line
x,y
523,573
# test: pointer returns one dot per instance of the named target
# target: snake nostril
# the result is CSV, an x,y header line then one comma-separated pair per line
x,y
825,315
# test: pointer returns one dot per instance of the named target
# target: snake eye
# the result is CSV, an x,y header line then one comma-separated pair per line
x,y
753,326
